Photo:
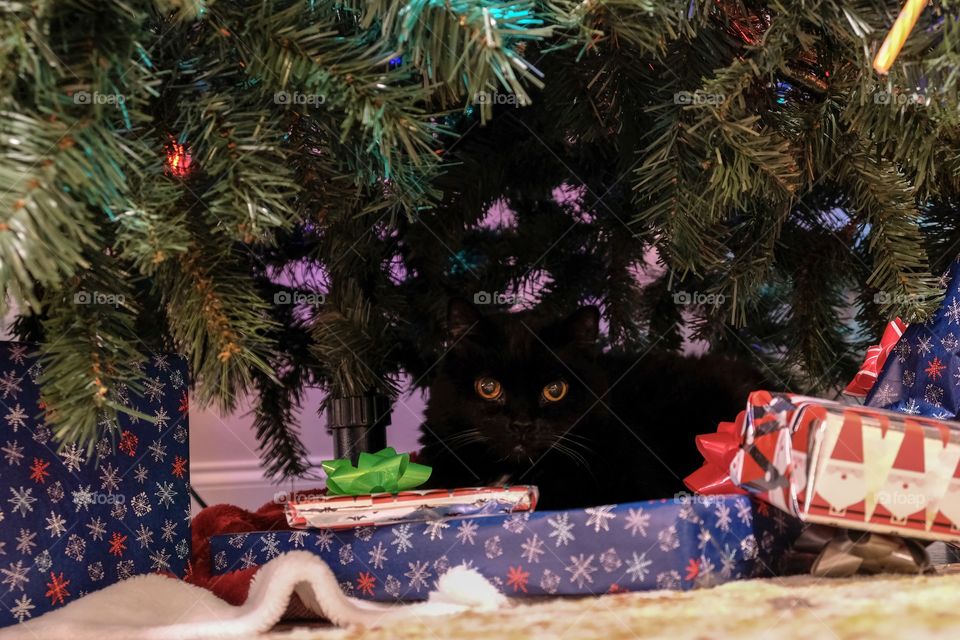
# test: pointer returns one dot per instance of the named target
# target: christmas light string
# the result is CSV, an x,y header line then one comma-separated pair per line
x,y
901,28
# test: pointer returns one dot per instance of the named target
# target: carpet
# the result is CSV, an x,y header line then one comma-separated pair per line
x,y
776,609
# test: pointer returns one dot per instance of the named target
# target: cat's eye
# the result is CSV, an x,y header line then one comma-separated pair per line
x,y
555,391
488,388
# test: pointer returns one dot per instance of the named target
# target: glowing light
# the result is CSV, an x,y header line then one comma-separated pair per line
x,y
179,162
901,28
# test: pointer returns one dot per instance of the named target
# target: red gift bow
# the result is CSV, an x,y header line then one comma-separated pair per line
x,y
876,356
718,450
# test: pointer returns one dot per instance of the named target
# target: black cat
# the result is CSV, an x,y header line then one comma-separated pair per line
x,y
521,400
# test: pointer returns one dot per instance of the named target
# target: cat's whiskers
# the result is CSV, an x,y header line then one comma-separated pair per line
x,y
574,443
464,438
570,453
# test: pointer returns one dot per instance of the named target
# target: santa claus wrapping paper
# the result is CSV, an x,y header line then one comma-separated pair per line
x,y
826,463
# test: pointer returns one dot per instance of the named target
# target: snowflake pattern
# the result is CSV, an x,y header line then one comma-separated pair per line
x,y
610,560
76,547
17,353
902,350
580,569
297,538
168,531
435,528
22,607
159,560
16,418
73,457
153,389
95,571
401,538
82,498
517,522
402,560
951,312
55,492
722,514
886,394
562,529
378,555
271,546
15,576
324,540
166,494
517,578
109,477
637,522
10,384
96,529
25,542
140,504
418,575
532,549
392,586
933,395
600,518
912,407
909,377
157,451
935,368
12,453
144,536
467,532
74,522
22,500
550,581
160,419
668,539
638,567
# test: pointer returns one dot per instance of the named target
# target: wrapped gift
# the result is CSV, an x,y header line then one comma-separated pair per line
x,y
875,360
73,521
848,466
685,542
921,376
346,512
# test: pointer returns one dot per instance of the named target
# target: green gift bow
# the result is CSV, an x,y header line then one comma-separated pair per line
x,y
383,471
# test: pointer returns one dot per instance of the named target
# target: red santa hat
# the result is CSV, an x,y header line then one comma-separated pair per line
x,y
849,447
910,456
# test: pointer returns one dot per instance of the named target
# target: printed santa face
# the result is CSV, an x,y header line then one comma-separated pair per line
x,y
842,484
943,455
950,504
904,491
842,479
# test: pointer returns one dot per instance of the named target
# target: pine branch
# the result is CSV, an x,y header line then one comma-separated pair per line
x,y
275,423
886,202
352,338
467,47
218,320
89,351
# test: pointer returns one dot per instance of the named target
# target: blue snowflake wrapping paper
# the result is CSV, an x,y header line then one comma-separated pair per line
x,y
667,544
921,376
72,523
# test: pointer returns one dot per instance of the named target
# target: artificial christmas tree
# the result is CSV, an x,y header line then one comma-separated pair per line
x,y
287,192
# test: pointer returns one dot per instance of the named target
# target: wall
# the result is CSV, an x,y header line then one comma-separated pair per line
x,y
225,465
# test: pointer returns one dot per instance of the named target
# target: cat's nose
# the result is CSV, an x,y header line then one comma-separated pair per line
x,y
521,425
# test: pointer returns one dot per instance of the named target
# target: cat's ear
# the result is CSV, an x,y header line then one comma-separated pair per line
x,y
583,326
462,316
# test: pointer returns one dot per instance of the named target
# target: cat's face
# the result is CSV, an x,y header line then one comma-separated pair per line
x,y
516,385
